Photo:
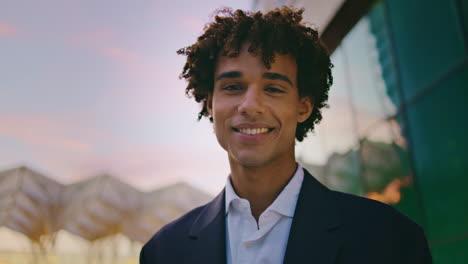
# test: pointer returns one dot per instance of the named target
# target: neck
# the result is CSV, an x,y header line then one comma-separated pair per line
x,y
261,185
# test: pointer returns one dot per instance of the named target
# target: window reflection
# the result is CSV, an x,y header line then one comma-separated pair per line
x,y
362,149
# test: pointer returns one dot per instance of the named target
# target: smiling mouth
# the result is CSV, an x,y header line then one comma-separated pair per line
x,y
253,131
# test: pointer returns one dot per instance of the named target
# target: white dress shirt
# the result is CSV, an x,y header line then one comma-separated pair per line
x,y
247,242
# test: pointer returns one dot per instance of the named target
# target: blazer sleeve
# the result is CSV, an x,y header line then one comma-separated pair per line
x,y
142,256
148,255
423,254
149,252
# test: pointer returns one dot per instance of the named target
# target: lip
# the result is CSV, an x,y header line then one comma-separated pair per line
x,y
252,125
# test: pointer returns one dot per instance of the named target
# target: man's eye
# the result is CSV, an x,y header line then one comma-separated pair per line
x,y
232,87
274,90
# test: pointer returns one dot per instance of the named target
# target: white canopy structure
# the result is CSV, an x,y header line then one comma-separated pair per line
x,y
97,208
94,208
162,206
29,202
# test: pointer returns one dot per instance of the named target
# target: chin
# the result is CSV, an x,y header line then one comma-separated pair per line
x,y
251,160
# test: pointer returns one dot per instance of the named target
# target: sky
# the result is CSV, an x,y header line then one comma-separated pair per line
x,y
91,87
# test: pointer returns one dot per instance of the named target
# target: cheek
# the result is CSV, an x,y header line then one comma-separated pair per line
x,y
222,111
220,127
217,123
291,129
289,122
288,114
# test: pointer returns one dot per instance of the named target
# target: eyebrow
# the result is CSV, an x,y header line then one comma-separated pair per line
x,y
266,75
231,74
277,76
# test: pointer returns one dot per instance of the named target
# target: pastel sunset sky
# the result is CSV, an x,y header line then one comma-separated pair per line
x,y
90,87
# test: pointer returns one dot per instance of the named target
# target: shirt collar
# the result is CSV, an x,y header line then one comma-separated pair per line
x,y
284,204
231,195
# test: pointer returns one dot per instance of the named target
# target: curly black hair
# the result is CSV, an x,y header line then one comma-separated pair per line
x,y
278,31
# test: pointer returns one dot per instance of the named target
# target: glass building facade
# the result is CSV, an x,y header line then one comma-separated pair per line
x,y
396,127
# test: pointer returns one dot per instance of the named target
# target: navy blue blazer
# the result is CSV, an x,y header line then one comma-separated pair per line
x,y
328,227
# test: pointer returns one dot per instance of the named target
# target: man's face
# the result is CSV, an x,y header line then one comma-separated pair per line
x,y
255,110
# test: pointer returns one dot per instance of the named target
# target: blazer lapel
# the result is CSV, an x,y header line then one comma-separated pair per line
x,y
314,235
208,234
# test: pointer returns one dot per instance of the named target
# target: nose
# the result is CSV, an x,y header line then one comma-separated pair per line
x,y
252,103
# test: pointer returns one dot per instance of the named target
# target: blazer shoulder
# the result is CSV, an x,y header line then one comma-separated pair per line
x,y
178,227
372,212
376,223
169,236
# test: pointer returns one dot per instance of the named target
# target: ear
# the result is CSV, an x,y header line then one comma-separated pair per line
x,y
306,105
209,104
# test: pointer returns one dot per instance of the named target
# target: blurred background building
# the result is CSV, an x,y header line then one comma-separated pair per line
x,y
99,220
394,132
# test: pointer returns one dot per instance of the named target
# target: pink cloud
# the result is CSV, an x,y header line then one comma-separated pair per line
x,y
8,30
151,166
144,167
71,151
145,76
106,42
131,62
126,56
39,131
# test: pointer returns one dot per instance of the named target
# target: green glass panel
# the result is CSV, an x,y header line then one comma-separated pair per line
x,y
451,253
428,41
464,12
438,125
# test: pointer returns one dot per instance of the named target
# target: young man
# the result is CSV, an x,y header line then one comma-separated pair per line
x,y
262,80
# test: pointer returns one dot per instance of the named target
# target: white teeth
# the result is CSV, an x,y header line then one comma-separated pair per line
x,y
253,131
